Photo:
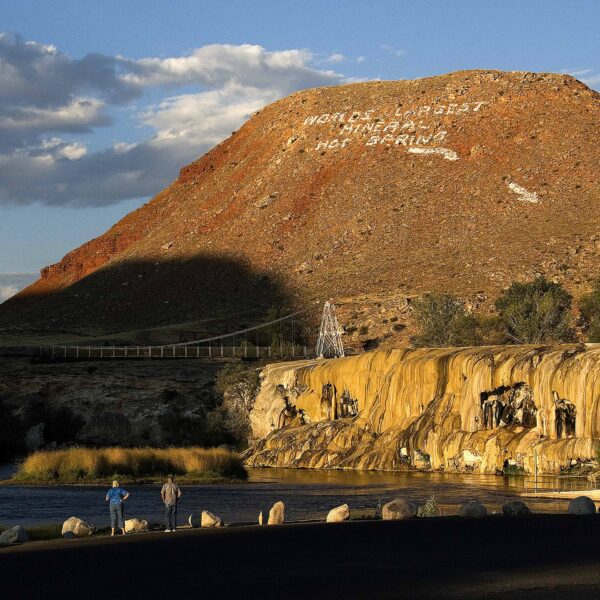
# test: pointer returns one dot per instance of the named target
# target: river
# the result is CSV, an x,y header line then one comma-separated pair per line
x,y
308,495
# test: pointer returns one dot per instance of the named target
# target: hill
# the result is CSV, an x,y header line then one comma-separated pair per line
x,y
368,193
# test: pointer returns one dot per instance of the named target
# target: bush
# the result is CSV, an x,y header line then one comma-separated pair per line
x,y
429,509
589,309
536,312
443,321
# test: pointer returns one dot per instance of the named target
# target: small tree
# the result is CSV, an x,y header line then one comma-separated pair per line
x,y
589,309
535,312
443,321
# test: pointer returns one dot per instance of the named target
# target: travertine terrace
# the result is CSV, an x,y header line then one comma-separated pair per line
x,y
471,409
369,194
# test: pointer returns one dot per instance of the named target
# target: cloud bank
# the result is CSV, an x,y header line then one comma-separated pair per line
x,y
11,283
51,103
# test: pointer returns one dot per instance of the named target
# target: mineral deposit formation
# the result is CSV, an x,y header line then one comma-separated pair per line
x,y
472,409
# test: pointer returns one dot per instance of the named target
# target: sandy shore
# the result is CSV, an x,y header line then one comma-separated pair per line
x,y
549,556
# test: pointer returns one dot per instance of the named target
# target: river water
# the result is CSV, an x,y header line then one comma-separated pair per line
x,y
308,495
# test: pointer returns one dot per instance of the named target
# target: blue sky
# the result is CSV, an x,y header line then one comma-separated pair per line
x,y
102,102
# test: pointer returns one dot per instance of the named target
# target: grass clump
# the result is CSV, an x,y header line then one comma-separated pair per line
x,y
88,465
429,509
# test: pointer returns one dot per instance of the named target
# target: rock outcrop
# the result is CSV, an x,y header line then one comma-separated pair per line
x,y
208,519
75,527
463,410
136,525
111,402
338,514
472,510
515,508
277,514
399,509
14,535
582,505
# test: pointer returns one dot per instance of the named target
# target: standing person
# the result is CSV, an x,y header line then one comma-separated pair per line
x,y
115,498
170,495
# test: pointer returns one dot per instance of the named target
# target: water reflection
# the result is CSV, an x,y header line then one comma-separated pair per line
x,y
307,494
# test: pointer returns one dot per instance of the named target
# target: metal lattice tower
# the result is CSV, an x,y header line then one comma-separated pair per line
x,y
330,341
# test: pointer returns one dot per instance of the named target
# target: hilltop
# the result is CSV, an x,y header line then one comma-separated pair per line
x,y
367,193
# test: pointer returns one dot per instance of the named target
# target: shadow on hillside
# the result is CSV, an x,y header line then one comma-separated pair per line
x,y
142,294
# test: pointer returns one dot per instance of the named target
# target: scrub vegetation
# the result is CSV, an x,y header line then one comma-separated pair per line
x,y
89,465
534,312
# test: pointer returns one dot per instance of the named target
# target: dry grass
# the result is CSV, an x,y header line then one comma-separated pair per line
x,y
90,464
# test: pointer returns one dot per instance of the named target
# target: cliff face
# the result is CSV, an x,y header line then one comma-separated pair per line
x,y
367,193
472,409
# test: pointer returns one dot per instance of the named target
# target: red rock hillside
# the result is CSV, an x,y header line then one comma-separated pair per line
x,y
368,193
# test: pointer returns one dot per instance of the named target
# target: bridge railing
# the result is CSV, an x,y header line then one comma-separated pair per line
x,y
210,352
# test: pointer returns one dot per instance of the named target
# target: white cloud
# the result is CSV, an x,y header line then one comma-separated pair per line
x,y
216,65
11,283
397,52
45,93
590,77
336,57
208,115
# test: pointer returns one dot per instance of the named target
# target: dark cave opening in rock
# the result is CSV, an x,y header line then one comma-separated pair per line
x,y
508,405
565,416
334,407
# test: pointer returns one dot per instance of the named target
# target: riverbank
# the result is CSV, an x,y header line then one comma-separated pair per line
x,y
540,556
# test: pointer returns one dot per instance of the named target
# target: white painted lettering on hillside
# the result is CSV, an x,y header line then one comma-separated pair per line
x,y
522,192
421,126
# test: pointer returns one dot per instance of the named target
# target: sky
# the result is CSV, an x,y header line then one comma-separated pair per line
x,y
101,103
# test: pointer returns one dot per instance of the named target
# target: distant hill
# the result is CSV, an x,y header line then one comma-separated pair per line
x,y
369,194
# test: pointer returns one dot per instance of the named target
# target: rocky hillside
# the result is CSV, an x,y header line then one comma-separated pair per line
x,y
105,403
368,193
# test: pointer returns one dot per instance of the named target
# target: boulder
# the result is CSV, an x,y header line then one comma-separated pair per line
x,y
209,520
136,525
34,438
194,521
399,509
515,508
472,509
14,535
260,518
277,514
582,505
338,514
77,527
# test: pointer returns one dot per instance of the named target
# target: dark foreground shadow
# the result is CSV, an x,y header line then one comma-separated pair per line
x,y
140,294
548,557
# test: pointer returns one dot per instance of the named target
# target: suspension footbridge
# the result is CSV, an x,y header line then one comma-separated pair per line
x,y
289,342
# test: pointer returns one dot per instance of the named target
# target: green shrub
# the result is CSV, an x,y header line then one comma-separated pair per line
x,y
429,509
589,310
536,312
443,321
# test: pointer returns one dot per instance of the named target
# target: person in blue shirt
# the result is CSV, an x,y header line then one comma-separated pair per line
x,y
115,498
